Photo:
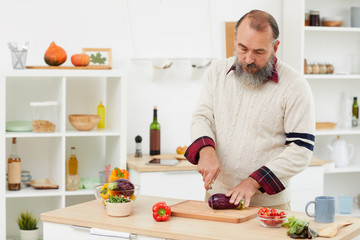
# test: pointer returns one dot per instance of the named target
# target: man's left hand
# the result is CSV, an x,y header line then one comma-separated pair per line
x,y
245,190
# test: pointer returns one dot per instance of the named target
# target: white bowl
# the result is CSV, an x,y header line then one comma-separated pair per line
x,y
119,209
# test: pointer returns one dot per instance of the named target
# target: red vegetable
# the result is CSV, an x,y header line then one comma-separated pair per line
x,y
161,212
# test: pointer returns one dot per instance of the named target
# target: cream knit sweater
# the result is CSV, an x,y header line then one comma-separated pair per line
x,y
248,126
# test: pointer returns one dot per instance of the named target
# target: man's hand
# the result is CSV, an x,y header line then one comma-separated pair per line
x,y
246,189
208,165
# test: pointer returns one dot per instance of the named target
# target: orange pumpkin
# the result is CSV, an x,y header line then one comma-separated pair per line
x,y
80,60
55,55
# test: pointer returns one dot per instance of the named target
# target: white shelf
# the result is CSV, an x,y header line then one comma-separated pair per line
x,y
31,192
61,73
338,131
76,91
332,29
104,132
31,135
348,169
332,76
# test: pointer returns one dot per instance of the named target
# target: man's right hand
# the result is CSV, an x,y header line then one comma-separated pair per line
x,y
208,165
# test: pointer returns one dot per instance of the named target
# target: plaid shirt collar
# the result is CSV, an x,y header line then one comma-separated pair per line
x,y
273,77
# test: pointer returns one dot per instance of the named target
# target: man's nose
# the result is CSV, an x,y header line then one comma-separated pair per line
x,y
249,57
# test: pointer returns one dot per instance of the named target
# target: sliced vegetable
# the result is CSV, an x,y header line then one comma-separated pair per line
x,y
118,173
124,186
104,191
221,201
161,212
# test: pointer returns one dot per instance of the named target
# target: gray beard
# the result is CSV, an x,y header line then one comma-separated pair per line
x,y
254,79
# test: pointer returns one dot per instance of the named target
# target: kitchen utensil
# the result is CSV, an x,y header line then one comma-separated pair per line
x,y
43,183
18,55
19,126
325,125
324,209
332,230
340,152
332,21
84,122
201,210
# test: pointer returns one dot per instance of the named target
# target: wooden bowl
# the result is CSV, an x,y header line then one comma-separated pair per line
x,y
84,122
332,23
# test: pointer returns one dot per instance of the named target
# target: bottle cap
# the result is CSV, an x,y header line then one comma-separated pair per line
x,y
101,104
355,98
138,139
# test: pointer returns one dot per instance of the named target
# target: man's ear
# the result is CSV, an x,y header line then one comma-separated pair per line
x,y
276,46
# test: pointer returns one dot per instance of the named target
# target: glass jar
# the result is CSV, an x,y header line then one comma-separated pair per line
x,y
307,17
315,69
322,68
329,68
314,19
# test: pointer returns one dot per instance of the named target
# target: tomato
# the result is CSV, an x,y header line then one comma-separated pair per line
x,y
282,214
273,212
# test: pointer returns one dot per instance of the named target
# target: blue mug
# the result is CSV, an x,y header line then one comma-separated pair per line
x,y
324,209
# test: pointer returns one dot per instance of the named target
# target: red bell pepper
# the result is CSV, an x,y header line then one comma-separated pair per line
x,y
161,212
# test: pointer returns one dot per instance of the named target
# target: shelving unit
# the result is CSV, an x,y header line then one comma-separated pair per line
x,y
340,47
45,154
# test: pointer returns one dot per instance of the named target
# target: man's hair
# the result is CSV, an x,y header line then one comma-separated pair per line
x,y
259,20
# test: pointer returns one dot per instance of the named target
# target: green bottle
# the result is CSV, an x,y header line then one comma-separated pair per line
x,y
155,135
355,113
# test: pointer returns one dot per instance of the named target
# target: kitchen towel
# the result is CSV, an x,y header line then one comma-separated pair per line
x,y
102,234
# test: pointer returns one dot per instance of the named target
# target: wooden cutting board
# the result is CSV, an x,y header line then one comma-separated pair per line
x,y
201,210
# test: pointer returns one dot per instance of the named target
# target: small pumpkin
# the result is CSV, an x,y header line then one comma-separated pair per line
x,y
80,60
55,55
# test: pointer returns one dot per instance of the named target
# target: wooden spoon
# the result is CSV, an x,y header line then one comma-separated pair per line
x,y
332,230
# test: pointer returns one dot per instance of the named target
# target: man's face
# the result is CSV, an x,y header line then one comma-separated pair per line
x,y
254,48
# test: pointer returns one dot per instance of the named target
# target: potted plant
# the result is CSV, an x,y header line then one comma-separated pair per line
x,y
28,226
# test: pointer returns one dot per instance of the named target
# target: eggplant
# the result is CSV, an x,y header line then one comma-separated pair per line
x,y
124,186
221,201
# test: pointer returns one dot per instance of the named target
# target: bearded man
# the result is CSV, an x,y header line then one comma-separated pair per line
x,y
253,127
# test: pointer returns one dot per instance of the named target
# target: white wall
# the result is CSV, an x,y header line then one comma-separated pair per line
x,y
135,29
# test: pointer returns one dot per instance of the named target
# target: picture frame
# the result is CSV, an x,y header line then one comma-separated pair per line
x,y
99,57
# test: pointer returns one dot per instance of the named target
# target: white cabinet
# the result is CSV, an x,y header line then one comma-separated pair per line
x,y
340,47
45,154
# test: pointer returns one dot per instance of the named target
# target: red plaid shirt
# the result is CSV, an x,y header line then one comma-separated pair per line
x,y
264,176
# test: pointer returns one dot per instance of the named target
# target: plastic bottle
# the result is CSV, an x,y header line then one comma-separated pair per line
x,y
101,113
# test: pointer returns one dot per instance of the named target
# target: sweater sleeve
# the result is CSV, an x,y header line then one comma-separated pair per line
x,y
299,128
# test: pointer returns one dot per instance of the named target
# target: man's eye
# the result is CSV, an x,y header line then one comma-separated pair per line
x,y
259,52
243,49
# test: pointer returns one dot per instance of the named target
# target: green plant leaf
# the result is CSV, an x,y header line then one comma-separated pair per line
x,y
27,221
97,58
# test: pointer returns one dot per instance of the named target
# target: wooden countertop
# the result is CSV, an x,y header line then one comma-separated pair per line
x,y
93,215
138,164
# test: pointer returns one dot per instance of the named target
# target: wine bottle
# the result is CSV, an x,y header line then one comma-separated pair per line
x,y
14,168
155,135
355,113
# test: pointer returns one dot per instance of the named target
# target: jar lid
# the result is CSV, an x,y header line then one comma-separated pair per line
x,y
49,103
314,12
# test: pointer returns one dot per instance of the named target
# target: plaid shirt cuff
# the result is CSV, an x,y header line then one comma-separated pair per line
x,y
192,153
268,181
